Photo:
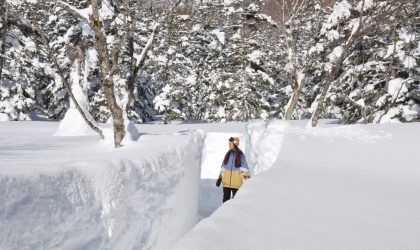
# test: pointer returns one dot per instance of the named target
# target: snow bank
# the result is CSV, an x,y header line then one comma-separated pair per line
x,y
72,193
264,143
347,187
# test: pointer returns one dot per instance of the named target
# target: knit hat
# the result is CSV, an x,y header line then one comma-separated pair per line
x,y
235,140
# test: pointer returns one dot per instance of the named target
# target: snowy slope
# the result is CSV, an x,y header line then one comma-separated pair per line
x,y
351,187
75,193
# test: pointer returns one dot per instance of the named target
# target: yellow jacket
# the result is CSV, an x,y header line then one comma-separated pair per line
x,y
233,177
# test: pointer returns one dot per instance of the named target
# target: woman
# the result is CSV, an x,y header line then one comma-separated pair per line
x,y
234,170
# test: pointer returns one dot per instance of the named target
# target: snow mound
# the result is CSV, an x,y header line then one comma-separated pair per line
x,y
73,124
71,193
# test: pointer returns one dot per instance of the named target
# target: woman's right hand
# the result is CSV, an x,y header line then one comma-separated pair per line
x,y
219,181
246,175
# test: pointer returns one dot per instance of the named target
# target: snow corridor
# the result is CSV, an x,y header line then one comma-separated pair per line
x,y
73,193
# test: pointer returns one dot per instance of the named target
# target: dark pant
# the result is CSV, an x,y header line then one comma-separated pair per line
x,y
227,192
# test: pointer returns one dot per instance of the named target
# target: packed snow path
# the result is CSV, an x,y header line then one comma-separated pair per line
x,y
77,193
261,142
215,147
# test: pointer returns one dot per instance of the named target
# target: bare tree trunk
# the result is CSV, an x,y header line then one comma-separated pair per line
x,y
297,81
67,84
320,107
137,63
332,75
79,82
335,69
3,36
297,89
133,72
65,81
292,104
107,76
293,8
390,70
108,62
330,78
36,32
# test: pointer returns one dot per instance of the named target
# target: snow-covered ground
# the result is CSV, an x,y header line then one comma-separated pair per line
x,y
76,193
333,187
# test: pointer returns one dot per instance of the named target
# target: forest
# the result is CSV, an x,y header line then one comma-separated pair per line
x,y
133,61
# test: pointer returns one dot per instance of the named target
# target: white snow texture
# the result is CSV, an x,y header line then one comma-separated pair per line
x,y
330,187
73,193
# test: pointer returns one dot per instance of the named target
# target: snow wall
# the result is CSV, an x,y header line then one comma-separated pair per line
x,y
264,143
143,197
331,187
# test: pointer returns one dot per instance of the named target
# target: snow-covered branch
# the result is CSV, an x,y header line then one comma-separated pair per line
x,y
5,57
81,13
147,47
83,112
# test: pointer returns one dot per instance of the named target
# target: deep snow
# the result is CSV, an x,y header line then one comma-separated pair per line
x,y
76,193
335,187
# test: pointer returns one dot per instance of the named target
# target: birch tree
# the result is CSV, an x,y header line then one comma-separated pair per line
x,y
343,35
3,30
119,98
40,35
299,25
